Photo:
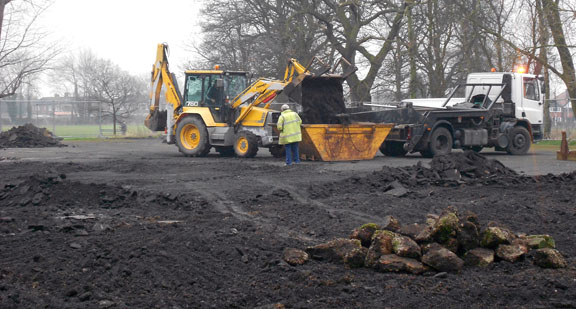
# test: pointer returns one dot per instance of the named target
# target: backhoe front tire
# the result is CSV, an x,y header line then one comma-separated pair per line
x,y
246,145
519,141
192,137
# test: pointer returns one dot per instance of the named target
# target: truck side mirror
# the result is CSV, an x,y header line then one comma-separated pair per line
x,y
219,83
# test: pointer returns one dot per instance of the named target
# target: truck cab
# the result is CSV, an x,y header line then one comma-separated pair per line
x,y
525,90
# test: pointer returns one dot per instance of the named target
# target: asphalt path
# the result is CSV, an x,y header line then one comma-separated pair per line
x,y
536,162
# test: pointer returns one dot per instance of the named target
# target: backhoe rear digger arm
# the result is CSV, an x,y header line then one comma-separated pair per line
x,y
161,76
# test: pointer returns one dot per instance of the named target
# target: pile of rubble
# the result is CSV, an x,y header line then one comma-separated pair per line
x,y
451,169
28,136
53,189
445,243
454,169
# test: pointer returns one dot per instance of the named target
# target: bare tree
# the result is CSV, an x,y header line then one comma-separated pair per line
x,y
258,35
72,75
118,89
542,41
89,78
551,12
347,26
3,4
23,52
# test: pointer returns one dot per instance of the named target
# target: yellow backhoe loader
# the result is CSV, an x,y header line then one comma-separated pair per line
x,y
217,108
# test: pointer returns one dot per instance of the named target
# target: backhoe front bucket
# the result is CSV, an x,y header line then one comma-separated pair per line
x,y
156,120
337,142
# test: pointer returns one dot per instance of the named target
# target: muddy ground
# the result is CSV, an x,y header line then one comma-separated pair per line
x,y
132,224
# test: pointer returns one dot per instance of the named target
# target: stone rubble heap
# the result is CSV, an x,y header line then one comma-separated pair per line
x,y
445,243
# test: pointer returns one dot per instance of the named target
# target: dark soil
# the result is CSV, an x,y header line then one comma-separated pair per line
x,y
28,136
210,232
322,100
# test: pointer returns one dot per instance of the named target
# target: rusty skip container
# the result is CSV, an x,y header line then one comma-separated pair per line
x,y
337,142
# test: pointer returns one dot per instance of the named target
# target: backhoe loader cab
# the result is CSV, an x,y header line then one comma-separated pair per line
x,y
214,90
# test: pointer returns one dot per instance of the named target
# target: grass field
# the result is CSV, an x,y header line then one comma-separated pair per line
x,y
76,132
553,145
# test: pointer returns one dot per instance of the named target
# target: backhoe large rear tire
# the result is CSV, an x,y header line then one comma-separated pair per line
x,y
519,141
192,137
246,145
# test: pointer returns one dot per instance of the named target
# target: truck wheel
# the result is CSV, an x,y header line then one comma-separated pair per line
x,y
277,151
246,145
192,137
393,149
519,141
440,143
476,148
426,153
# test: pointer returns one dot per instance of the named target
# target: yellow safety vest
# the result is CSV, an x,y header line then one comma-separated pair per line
x,y
289,126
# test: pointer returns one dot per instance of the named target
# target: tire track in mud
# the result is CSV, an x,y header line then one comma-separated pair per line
x,y
333,212
226,206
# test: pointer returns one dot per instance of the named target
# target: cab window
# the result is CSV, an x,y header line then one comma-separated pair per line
x,y
234,85
212,95
193,91
531,89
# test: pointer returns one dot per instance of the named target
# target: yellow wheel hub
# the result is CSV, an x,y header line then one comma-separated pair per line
x,y
190,136
242,144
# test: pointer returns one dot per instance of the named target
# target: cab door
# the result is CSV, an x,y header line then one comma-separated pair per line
x,y
531,102
214,96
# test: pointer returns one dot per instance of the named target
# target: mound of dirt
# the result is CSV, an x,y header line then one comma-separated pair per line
x,y
28,136
54,190
455,169
469,164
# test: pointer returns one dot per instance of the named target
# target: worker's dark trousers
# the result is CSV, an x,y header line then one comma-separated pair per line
x,y
292,152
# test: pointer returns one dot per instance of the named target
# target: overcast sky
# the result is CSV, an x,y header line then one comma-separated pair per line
x,y
125,31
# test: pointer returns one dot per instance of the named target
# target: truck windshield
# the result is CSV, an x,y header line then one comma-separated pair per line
x,y
531,89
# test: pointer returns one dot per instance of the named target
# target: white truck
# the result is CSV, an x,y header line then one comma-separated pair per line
x,y
500,110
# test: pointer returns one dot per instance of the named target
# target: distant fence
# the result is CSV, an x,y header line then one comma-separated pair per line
x,y
71,119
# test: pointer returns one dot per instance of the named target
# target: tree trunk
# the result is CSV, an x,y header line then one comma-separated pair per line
x,y
113,118
412,49
2,6
360,89
552,13
543,41
399,78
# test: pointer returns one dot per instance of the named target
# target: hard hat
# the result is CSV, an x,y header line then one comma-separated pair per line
x,y
284,107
